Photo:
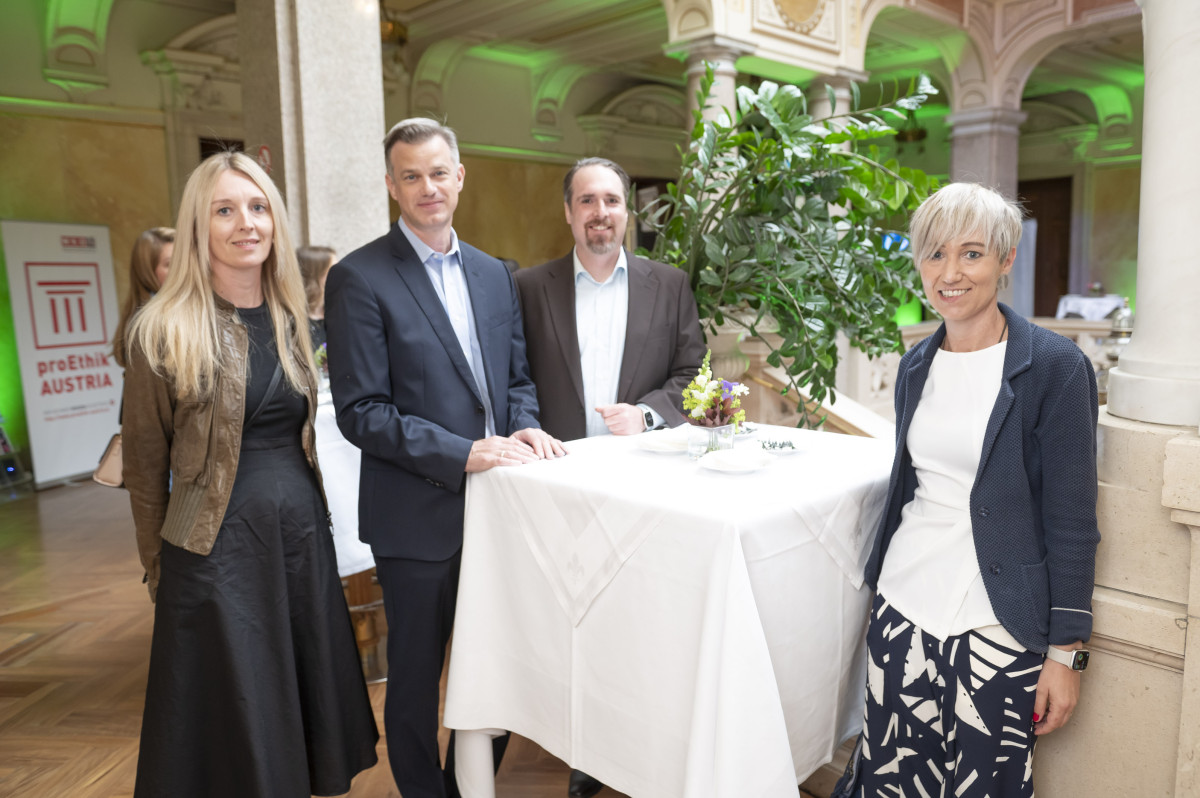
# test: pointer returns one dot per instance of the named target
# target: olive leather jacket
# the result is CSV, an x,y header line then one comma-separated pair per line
x,y
181,452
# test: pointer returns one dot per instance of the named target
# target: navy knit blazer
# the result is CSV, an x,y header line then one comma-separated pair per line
x,y
1033,504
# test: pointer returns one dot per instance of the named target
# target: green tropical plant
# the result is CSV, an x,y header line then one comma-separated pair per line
x,y
786,220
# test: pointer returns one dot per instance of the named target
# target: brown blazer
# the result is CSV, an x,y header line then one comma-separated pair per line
x,y
663,342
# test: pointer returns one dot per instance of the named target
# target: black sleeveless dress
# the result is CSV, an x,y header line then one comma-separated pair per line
x,y
255,686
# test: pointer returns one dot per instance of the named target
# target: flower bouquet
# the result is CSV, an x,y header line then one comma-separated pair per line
x,y
714,409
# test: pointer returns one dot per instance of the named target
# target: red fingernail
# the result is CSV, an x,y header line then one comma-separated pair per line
x,y
1036,717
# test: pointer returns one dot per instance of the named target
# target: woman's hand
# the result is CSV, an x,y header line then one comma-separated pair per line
x,y
1057,695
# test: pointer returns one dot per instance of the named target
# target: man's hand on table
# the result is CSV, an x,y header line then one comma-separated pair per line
x,y
524,446
543,444
623,419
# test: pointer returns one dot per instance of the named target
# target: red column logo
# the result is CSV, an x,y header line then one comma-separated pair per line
x,y
65,304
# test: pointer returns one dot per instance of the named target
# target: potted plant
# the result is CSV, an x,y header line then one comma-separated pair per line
x,y
785,226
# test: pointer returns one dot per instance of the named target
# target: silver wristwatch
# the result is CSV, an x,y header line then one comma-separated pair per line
x,y
1076,660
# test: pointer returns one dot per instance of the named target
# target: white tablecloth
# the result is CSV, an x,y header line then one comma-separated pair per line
x,y
670,630
339,461
1091,308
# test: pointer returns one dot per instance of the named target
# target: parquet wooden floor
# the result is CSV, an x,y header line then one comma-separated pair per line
x,y
75,625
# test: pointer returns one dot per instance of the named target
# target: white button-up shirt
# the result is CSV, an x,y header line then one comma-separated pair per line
x,y
450,283
601,313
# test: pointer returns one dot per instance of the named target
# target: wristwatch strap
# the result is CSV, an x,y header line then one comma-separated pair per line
x,y
1076,660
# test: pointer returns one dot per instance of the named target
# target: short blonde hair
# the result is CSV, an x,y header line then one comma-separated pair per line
x,y
959,210
177,329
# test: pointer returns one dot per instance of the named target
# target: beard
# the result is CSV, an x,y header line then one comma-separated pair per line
x,y
602,246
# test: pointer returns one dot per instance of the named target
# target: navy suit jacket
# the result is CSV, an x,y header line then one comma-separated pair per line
x,y
1033,504
404,392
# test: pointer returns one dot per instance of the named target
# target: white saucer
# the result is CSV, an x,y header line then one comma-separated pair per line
x,y
736,461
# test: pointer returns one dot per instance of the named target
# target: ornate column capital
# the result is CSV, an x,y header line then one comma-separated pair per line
x,y
715,48
720,51
987,120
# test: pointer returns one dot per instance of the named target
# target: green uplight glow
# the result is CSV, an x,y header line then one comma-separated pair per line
x,y
12,400
909,314
513,55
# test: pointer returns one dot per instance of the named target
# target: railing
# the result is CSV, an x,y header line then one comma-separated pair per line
x,y
863,404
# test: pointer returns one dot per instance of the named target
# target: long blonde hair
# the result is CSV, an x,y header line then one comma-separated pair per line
x,y
178,329
143,283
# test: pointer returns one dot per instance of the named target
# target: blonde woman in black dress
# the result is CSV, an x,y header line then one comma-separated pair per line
x,y
255,687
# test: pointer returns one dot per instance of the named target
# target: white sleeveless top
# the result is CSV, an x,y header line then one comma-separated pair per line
x,y
931,573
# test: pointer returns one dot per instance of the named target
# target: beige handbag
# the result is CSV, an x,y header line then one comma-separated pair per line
x,y
110,471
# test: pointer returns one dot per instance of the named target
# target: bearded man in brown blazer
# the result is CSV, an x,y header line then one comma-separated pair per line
x,y
612,339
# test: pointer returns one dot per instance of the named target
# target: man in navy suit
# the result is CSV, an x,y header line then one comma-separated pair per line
x,y
430,380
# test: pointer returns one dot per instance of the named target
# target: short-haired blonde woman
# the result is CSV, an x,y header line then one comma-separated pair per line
x,y
315,263
255,687
985,557
149,264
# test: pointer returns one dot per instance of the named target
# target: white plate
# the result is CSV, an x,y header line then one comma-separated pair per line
x,y
664,442
736,461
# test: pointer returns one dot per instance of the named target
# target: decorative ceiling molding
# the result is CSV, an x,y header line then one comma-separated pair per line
x,y
433,72
198,70
74,40
811,23
651,113
550,98
688,19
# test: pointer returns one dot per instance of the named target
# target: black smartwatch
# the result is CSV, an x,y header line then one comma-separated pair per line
x,y
1076,660
647,416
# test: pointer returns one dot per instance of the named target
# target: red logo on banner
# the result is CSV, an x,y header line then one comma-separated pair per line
x,y
65,304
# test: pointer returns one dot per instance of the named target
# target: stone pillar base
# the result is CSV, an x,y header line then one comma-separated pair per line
x,y
1159,400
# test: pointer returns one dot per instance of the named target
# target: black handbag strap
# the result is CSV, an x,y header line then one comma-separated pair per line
x,y
266,396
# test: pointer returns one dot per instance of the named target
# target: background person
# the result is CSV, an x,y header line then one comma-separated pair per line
x,y
429,378
148,266
315,263
254,686
985,558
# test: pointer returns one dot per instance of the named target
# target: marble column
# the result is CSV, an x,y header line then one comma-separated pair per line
x,y
722,53
983,147
312,98
1158,377
817,93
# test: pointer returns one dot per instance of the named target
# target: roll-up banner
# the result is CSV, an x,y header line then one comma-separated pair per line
x,y
64,305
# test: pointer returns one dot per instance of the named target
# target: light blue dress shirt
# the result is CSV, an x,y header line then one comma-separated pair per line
x,y
601,315
450,283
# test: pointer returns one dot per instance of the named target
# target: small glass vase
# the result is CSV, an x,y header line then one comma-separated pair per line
x,y
702,440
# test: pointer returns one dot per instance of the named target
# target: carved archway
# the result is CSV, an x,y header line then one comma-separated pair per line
x,y
74,40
